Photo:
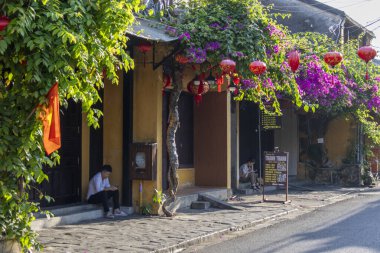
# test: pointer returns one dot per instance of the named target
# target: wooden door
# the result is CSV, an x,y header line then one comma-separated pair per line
x,y
64,184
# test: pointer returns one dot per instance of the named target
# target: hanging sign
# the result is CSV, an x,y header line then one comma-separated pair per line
x,y
270,121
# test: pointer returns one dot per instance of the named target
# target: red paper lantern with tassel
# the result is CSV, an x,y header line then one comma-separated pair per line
x,y
144,47
367,53
257,67
294,60
198,88
227,66
4,22
333,58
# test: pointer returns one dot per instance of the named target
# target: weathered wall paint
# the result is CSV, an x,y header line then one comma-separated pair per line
x,y
339,137
186,177
113,130
286,138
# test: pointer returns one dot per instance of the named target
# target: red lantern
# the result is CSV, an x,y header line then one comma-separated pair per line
x,y
367,53
228,66
144,47
198,88
4,22
333,58
257,67
294,60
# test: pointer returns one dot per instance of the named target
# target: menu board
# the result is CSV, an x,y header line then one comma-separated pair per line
x,y
270,121
275,168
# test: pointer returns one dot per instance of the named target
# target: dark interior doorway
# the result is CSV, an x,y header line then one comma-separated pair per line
x,y
64,184
249,134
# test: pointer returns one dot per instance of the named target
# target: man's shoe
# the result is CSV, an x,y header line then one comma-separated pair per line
x,y
118,212
109,215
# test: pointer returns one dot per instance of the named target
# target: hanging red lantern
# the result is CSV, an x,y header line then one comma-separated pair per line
x,y
144,47
294,60
333,58
198,87
367,53
4,22
257,67
180,58
227,66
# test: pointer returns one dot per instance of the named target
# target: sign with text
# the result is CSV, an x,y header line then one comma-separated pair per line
x,y
270,121
276,168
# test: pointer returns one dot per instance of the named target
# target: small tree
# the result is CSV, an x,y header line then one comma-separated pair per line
x,y
242,30
69,42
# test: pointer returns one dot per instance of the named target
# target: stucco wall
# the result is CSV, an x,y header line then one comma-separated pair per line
x,y
286,138
113,130
147,119
186,177
338,139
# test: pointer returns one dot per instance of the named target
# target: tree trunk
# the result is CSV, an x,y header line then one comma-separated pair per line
x,y
171,143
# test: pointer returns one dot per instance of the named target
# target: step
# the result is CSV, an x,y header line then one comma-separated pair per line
x,y
72,215
244,191
200,205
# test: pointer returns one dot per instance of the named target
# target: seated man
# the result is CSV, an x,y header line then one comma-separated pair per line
x,y
247,173
100,190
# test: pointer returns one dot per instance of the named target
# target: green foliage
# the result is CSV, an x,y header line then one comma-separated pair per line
x,y
245,31
69,42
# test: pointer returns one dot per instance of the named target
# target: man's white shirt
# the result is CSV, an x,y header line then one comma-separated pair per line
x,y
97,184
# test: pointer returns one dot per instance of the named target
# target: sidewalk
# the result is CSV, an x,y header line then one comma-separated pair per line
x,y
161,234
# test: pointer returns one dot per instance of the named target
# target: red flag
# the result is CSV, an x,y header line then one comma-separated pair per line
x,y
51,122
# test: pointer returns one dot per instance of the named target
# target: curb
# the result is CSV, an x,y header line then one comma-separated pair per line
x,y
200,239
197,240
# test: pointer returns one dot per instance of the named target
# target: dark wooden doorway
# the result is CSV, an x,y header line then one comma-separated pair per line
x,y
249,134
64,184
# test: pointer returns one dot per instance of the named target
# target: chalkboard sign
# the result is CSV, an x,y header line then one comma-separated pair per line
x,y
270,121
276,168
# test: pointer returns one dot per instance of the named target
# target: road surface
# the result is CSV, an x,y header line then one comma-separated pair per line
x,y
348,226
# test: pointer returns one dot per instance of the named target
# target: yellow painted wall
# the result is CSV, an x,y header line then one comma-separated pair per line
x,y
186,177
113,130
85,156
147,119
338,138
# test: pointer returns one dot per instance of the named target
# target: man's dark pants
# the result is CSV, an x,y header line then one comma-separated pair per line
x,y
103,196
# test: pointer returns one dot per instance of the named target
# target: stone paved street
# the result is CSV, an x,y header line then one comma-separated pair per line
x,y
161,234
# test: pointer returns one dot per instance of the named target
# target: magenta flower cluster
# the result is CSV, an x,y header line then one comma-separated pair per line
x,y
274,31
317,86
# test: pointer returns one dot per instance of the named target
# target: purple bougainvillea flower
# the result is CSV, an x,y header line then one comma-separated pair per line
x,y
215,25
248,84
212,46
196,55
184,36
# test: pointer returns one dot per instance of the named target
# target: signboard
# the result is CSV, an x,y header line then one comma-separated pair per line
x,y
270,121
276,170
